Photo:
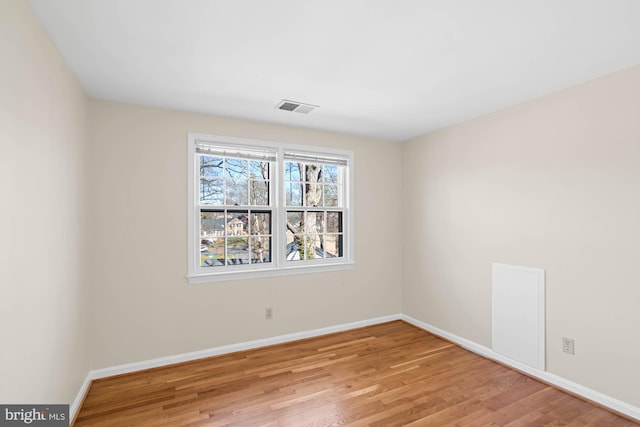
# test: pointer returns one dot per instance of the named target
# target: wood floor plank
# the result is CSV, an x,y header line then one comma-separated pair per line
x,y
382,375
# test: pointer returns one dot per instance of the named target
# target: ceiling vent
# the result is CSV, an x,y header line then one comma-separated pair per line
x,y
298,107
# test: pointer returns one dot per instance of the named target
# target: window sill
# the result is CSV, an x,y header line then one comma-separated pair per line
x,y
226,276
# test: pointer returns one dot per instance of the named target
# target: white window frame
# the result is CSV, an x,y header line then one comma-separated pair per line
x,y
278,265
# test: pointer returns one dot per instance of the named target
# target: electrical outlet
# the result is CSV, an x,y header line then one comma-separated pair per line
x,y
568,345
268,313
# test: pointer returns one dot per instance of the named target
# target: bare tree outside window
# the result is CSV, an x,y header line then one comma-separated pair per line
x,y
314,230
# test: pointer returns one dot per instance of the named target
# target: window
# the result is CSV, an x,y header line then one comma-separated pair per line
x,y
314,189
258,208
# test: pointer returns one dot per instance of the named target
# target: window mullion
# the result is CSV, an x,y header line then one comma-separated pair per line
x,y
194,211
279,211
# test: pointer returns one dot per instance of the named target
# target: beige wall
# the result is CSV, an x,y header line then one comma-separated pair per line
x,y
553,183
43,302
143,307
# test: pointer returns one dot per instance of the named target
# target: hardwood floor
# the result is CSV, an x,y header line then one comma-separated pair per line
x,y
392,374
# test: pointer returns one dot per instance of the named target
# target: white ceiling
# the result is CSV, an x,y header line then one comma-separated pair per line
x,y
391,69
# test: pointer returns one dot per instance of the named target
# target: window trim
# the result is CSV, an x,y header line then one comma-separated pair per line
x,y
278,265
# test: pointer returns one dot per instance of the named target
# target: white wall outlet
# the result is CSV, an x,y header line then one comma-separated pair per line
x,y
268,313
568,345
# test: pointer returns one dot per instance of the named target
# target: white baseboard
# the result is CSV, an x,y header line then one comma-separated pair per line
x,y
562,383
75,406
215,351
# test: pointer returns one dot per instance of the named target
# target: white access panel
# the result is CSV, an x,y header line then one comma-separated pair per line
x,y
518,302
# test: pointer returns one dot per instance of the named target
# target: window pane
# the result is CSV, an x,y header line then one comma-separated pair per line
x,y
315,222
259,193
296,245
212,252
292,171
237,168
313,194
295,222
211,242
291,250
211,224
313,188
259,170
295,240
237,223
333,245
315,246
260,223
260,249
294,194
211,191
330,174
237,192
211,166
237,250
312,172
331,195
334,222
320,246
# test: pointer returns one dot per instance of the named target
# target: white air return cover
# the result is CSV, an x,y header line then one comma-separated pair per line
x,y
298,107
518,306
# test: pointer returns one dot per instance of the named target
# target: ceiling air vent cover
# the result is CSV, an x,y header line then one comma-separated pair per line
x,y
298,107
